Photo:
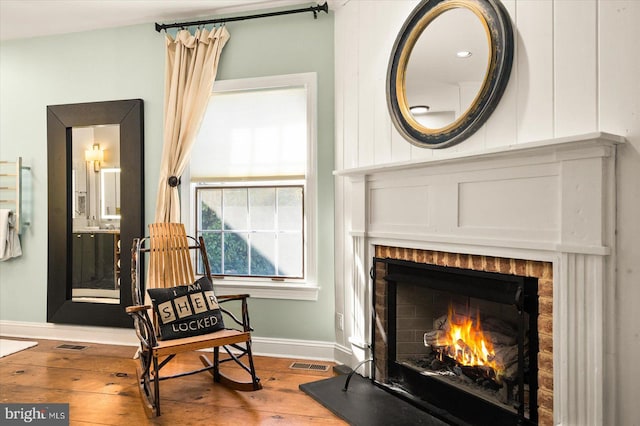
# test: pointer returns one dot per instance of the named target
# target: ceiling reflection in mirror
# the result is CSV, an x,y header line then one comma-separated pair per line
x,y
445,74
95,188
448,69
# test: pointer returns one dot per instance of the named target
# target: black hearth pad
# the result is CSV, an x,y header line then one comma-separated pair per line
x,y
366,404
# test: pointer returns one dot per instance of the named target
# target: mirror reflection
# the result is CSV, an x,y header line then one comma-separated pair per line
x,y
445,74
95,187
448,69
110,193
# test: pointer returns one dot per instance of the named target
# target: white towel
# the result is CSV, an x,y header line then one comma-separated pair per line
x,y
9,240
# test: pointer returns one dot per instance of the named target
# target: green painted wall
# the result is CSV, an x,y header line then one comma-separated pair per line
x,y
126,63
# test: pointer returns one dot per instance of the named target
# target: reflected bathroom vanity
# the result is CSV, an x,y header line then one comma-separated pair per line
x,y
95,184
95,275
95,163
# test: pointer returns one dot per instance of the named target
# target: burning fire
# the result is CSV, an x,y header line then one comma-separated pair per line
x,y
467,344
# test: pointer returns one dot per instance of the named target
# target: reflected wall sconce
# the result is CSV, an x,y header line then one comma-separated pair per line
x,y
95,155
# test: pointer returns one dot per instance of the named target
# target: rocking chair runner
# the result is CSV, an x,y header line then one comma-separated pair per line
x,y
170,265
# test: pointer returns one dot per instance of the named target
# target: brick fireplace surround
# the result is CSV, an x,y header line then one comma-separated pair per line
x,y
551,204
543,271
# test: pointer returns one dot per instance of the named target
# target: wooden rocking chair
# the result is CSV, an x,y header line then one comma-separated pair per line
x,y
170,265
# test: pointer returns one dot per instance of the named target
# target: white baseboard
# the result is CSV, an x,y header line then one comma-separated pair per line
x,y
70,333
293,348
342,355
266,346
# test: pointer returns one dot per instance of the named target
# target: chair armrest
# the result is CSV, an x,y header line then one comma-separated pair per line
x,y
143,325
230,297
137,308
242,298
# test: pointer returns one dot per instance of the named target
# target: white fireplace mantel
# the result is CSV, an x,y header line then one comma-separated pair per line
x,y
552,200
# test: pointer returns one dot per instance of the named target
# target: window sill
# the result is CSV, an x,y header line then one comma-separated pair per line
x,y
267,290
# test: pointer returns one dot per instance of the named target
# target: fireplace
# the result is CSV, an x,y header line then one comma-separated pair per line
x,y
544,210
461,343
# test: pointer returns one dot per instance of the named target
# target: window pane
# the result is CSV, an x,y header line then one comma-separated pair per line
x,y
263,254
263,230
290,209
235,209
213,245
236,254
210,209
262,209
290,250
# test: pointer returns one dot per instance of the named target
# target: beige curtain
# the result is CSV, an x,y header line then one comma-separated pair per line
x,y
191,67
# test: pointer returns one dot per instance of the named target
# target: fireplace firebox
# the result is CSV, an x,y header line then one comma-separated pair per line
x,y
461,344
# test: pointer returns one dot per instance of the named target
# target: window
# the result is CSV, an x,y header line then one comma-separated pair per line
x,y
252,231
253,189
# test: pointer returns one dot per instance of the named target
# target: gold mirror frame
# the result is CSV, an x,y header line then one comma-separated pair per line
x,y
497,24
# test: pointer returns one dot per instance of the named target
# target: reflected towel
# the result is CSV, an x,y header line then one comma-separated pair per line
x,y
9,240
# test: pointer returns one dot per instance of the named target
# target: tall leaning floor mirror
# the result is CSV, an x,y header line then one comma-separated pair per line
x,y
96,208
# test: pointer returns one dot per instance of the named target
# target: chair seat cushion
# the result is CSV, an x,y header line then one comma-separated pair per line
x,y
186,310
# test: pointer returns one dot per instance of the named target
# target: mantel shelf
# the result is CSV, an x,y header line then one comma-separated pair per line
x,y
547,145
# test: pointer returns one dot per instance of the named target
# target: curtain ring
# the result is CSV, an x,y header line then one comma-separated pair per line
x,y
173,181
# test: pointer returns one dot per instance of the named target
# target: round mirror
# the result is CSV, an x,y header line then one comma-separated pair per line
x,y
448,69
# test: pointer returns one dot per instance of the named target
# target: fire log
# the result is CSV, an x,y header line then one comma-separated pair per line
x,y
506,355
440,323
435,338
500,339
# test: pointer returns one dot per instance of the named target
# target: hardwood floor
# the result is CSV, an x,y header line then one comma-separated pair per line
x,y
99,383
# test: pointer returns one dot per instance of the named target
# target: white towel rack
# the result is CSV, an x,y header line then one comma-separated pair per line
x,y
11,180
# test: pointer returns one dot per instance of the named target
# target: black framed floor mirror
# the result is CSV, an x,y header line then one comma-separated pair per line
x,y
95,159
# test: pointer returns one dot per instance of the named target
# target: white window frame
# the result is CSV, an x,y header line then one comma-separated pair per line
x,y
267,288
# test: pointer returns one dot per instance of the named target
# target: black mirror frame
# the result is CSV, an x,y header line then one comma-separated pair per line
x,y
497,22
129,114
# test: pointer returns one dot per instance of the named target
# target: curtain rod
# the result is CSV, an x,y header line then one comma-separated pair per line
x,y
315,9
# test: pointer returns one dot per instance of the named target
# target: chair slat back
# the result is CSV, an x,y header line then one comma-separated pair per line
x,y
169,259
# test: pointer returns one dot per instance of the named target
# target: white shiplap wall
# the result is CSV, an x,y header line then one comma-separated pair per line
x,y
553,90
575,71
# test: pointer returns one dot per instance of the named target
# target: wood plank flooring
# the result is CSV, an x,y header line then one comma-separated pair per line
x,y
99,383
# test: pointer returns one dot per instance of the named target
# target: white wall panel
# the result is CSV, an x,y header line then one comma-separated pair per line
x,y
619,112
534,38
512,203
366,88
351,83
340,51
383,207
575,66
501,127
380,56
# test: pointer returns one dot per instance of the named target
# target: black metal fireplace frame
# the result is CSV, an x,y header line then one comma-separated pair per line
x,y
439,398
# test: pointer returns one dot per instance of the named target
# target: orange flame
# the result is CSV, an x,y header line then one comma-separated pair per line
x,y
467,343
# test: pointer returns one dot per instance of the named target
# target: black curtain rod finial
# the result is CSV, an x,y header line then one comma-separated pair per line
x,y
321,8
